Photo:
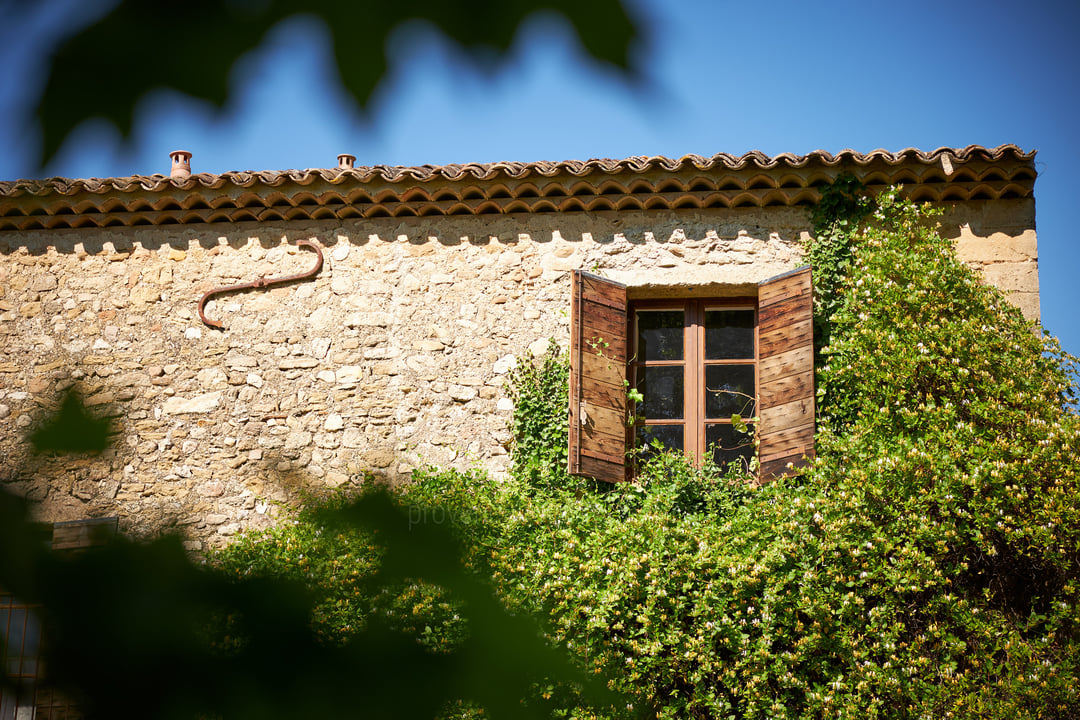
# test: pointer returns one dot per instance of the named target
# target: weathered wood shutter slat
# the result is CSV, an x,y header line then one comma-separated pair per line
x,y
786,372
598,351
81,534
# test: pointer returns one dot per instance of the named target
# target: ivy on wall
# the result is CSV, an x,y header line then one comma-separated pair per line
x,y
541,415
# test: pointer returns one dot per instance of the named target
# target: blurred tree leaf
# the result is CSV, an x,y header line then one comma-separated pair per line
x,y
191,642
188,642
72,430
504,653
190,46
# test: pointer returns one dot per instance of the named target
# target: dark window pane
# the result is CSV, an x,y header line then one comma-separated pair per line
x,y
660,335
12,634
729,389
31,644
662,388
727,445
669,437
729,334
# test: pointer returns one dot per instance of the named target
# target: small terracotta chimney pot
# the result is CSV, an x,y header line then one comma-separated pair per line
x,y
346,161
181,164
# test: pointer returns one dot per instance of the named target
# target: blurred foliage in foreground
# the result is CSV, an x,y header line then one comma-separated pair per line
x,y
195,44
140,631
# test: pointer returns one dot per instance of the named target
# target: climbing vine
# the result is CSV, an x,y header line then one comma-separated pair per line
x,y
538,389
834,219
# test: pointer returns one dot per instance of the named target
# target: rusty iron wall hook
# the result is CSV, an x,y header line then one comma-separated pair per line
x,y
262,282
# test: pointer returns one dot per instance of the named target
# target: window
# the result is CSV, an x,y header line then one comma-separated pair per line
x,y
696,363
27,696
20,639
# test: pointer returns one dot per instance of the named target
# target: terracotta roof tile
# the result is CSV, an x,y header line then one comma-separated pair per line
x,y
635,183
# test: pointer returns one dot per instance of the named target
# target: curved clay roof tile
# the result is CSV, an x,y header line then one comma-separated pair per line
x,y
654,182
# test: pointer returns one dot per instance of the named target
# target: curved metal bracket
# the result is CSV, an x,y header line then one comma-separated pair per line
x,y
262,282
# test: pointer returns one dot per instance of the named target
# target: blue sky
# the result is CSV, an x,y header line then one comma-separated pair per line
x,y
784,76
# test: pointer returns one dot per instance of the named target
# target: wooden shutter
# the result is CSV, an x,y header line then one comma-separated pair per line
x,y
785,372
81,534
597,373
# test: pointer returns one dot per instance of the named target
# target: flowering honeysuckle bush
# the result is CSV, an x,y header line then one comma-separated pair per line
x,y
926,564
336,561
947,441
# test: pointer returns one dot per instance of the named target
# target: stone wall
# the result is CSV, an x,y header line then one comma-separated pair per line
x,y
394,356
998,239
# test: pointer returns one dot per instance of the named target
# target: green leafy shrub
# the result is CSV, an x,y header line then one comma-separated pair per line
x,y
336,561
614,569
948,452
387,587
926,565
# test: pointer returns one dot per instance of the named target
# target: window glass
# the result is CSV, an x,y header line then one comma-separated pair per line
x,y
729,389
669,436
662,388
695,365
20,638
728,445
31,643
13,639
729,334
660,335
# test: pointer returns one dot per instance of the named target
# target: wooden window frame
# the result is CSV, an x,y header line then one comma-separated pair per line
x,y
694,362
